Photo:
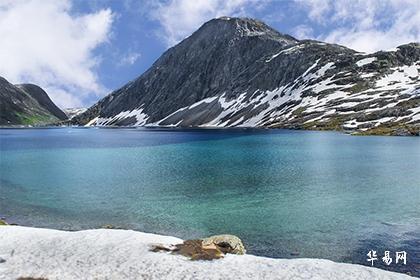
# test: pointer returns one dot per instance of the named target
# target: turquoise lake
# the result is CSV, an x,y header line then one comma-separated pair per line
x,y
285,193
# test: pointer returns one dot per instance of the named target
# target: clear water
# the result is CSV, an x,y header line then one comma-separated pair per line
x,y
285,193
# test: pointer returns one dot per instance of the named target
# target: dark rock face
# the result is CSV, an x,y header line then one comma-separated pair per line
x,y
241,72
26,104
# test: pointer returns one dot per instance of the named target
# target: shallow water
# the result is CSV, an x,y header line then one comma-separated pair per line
x,y
285,193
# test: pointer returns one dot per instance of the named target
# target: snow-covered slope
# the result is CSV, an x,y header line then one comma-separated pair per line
x,y
240,72
124,254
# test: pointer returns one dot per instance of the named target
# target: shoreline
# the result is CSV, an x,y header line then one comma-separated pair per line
x,y
351,132
125,254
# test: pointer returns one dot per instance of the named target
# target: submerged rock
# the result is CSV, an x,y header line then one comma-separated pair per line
x,y
226,243
109,226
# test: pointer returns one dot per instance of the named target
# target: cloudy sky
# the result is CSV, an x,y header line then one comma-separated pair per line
x,y
81,50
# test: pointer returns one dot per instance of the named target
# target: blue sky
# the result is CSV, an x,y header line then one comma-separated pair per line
x,y
81,50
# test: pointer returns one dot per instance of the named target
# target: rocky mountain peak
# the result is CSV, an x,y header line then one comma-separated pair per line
x,y
234,28
241,72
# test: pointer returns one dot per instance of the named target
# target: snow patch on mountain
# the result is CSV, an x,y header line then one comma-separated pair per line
x,y
285,51
141,118
365,61
405,77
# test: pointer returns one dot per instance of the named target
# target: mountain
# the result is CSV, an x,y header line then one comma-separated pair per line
x,y
241,72
26,104
72,112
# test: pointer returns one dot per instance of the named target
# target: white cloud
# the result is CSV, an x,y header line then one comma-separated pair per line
x,y
129,59
179,18
43,43
316,8
366,25
303,32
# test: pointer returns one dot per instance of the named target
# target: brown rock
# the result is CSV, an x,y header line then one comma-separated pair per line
x,y
192,249
196,251
226,243
213,247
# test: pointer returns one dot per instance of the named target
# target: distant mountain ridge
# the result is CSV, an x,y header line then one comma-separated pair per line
x,y
239,72
72,112
27,104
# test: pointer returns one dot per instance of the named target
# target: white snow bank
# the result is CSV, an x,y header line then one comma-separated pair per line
x,y
124,254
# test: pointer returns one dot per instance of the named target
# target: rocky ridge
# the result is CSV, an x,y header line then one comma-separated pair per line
x,y
26,104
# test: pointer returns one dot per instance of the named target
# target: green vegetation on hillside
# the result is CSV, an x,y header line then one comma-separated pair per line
x,y
27,119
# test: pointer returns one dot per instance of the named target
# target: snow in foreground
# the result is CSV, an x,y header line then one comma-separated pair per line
x,y
124,254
